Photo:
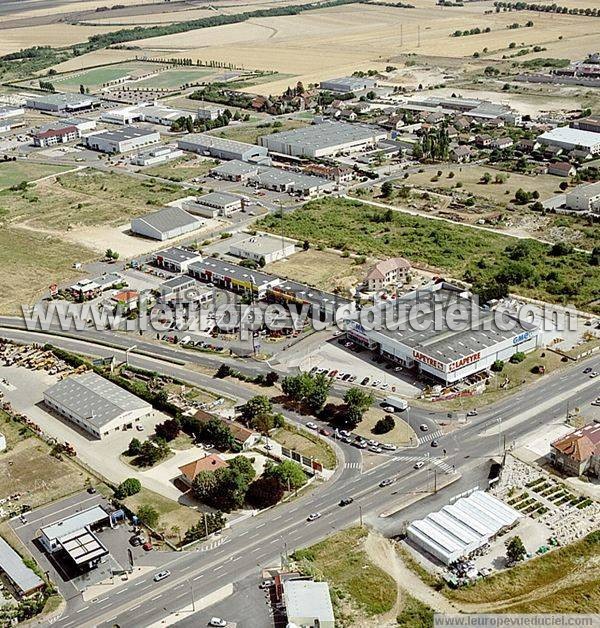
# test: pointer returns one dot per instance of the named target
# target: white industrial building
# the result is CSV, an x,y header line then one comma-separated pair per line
x,y
221,148
210,112
416,332
347,84
459,529
308,604
584,198
156,156
567,138
11,112
175,259
95,404
166,223
324,139
263,247
24,580
62,102
82,124
144,112
123,140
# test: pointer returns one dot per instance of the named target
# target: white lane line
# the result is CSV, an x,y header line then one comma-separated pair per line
x,y
155,597
256,549
236,558
261,525
198,577
134,607
82,609
242,534
121,591
218,567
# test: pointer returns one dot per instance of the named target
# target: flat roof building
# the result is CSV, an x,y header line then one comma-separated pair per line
x,y
224,202
347,84
289,181
567,138
23,578
175,259
263,247
123,140
308,604
234,170
7,112
95,404
57,133
221,147
155,156
459,529
416,332
62,102
324,139
584,198
165,224
51,534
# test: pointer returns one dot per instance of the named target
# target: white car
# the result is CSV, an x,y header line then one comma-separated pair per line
x,y
594,374
389,446
218,622
384,386
423,427
419,464
312,426
161,575
313,516
389,409
376,450
375,383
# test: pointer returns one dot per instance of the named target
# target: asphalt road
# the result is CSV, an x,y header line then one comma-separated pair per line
x,y
260,541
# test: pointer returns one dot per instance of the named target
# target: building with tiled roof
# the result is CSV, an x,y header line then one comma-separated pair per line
x,y
578,452
212,462
389,271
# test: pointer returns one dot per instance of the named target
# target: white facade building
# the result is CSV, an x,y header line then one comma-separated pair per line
x,y
124,140
263,247
567,138
585,198
166,223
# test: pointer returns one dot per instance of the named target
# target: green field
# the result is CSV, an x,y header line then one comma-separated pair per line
x,y
474,255
173,79
96,77
182,169
14,172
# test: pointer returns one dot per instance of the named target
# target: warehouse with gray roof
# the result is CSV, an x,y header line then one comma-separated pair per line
x,y
346,84
324,139
62,102
122,140
95,404
221,148
166,223
24,579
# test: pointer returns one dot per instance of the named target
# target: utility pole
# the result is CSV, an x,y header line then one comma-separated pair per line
x,y
435,480
418,36
360,515
193,601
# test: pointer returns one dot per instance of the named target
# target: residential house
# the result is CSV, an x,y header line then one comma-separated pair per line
x,y
528,146
461,154
128,299
452,132
483,141
562,169
391,271
244,437
211,462
502,143
578,453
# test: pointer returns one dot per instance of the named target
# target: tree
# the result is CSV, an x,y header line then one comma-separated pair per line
x,y
387,189
358,398
134,447
515,550
230,490
563,185
128,487
218,433
168,429
151,452
211,522
204,485
384,425
223,371
264,492
517,357
81,89
561,248
271,378
244,466
289,474
148,515
255,407
305,245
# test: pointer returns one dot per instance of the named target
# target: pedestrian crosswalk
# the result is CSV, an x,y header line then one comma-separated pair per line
x,y
352,465
438,462
427,438
444,466
213,544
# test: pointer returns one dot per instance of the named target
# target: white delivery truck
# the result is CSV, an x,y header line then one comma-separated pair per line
x,y
396,402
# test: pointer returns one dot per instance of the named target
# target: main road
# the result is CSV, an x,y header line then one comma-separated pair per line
x,y
261,540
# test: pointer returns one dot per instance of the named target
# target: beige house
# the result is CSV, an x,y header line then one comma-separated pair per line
x,y
390,271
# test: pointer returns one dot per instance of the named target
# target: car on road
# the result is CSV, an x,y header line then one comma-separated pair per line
x,y
346,501
596,402
313,516
161,575
312,426
587,370
217,622
376,450
594,374
472,413
386,482
419,464
424,428
434,443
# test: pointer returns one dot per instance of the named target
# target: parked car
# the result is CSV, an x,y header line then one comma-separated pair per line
x,y
314,516
324,432
161,575
434,443
346,501
389,446
91,490
266,584
147,546
312,426
375,450
139,428
365,381
389,409
472,413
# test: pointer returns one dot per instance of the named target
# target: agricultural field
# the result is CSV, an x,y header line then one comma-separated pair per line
x,y
183,169
15,172
458,251
307,444
251,132
27,467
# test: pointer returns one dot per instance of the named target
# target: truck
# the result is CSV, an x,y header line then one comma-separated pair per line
x,y
396,403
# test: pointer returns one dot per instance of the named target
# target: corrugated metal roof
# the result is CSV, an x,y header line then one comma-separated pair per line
x,y
13,566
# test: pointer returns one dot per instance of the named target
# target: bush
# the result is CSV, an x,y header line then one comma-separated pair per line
x,y
128,487
497,366
148,515
517,357
384,425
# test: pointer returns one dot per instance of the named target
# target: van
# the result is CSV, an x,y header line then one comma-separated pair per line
x,y
396,402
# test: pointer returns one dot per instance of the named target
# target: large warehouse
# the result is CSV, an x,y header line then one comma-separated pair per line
x,y
459,529
123,140
96,405
322,140
585,198
221,148
62,102
415,332
347,84
567,138
263,246
167,223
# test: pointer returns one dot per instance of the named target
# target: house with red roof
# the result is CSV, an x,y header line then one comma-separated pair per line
x,y
578,452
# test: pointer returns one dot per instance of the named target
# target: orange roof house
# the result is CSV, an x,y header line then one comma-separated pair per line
x,y
578,452
212,462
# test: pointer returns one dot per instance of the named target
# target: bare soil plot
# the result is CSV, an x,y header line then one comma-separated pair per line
x,y
182,169
325,270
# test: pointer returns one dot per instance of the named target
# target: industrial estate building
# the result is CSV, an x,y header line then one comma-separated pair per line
x,y
166,223
414,331
58,133
156,156
459,529
347,84
263,248
147,112
221,148
324,139
473,108
308,603
10,112
584,198
95,404
176,259
62,102
568,138
24,580
124,140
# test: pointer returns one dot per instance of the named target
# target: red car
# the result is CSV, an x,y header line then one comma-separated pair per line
x,y
324,432
147,546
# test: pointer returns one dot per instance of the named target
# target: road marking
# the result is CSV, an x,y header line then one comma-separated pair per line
x,y
245,532
82,609
218,567
261,525
134,607
121,591
155,597
236,558
198,577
